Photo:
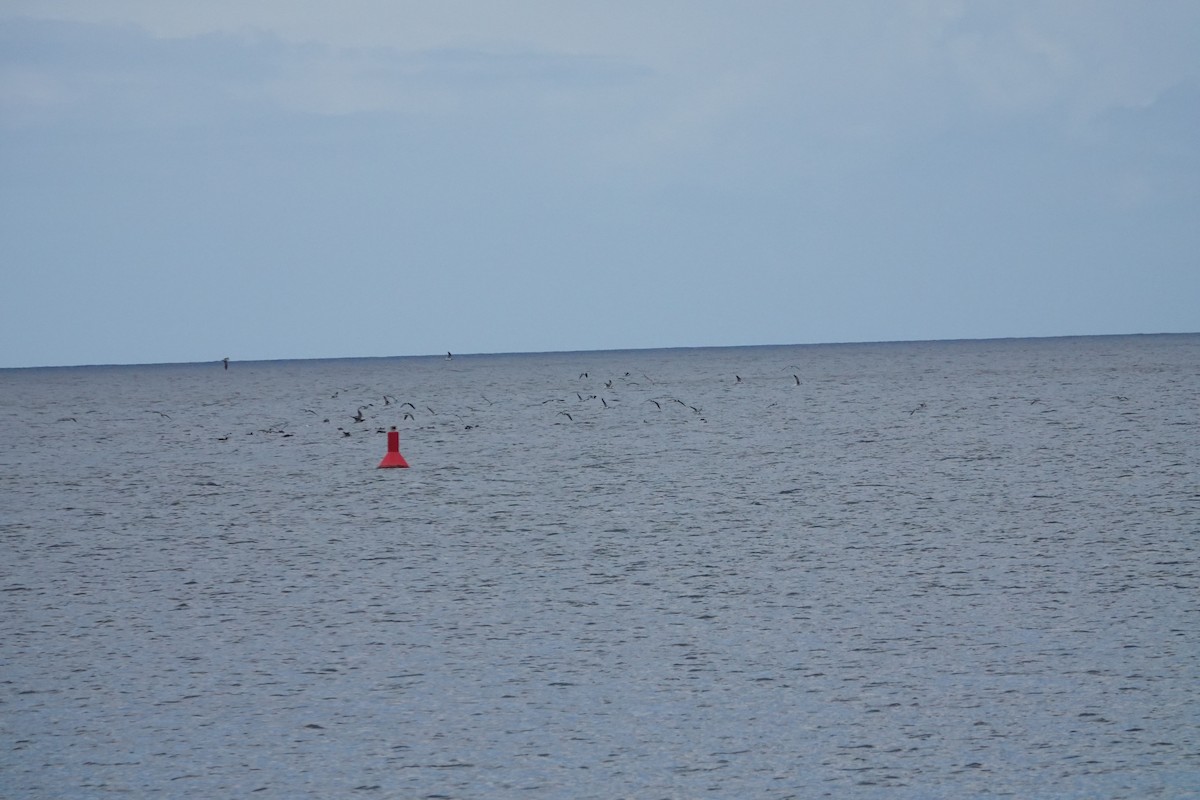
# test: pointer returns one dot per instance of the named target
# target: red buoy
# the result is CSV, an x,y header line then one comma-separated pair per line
x,y
393,457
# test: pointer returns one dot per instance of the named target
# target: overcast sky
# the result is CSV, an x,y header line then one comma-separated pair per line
x,y
279,179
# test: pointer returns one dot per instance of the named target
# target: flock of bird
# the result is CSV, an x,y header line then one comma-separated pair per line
x,y
374,411
376,415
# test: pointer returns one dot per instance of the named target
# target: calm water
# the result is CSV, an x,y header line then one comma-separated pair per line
x,y
959,569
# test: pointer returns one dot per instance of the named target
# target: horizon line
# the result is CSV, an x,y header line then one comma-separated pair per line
x,y
597,350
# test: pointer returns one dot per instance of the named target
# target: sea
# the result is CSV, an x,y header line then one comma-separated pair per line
x,y
957,569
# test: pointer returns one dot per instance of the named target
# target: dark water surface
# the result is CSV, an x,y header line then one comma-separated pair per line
x,y
920,570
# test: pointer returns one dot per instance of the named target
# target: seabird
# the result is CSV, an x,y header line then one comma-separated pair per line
x,y
568,416
359,417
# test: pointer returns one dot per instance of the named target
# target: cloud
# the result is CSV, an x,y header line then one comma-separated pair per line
x,y
120,75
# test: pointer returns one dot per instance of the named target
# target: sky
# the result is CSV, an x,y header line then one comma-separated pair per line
x,y
184,182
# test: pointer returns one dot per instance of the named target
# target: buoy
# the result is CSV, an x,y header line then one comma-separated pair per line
x,y
393,457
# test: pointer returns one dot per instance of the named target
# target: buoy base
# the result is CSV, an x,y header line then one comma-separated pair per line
x,y
392,460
